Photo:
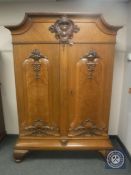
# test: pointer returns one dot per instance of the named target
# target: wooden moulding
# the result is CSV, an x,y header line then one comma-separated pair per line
x,y
95,17
23,32
24,145
56,144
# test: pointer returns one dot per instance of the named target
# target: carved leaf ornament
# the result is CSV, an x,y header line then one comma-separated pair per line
x,y
64,29
87,128
92,59
40,128
36,56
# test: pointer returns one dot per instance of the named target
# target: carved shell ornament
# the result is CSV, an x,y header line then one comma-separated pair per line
x,y
64,29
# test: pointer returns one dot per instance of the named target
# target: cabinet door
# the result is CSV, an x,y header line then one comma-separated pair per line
x,y
37,84
89,85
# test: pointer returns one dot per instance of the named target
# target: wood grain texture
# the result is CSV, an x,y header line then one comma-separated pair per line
x,y
63,94
56,144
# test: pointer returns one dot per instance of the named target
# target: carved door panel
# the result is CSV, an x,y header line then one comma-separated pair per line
x,y
89,85
37,78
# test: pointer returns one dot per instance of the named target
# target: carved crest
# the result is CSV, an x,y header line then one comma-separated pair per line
x,y
40,128
87,128
64,29
36,56
92,59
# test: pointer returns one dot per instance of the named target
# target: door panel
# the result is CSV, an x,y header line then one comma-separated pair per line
x,y
89,84
38,84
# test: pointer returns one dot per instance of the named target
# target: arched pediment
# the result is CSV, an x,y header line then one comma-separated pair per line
x,y
34,23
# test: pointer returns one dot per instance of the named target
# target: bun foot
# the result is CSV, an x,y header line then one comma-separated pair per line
x,y
19,155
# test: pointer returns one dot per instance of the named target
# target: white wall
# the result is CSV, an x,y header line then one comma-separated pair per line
x,y
114,13
124,130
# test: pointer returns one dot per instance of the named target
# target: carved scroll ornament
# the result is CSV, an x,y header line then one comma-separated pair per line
x,y
36,56
40,128
64,29
87,128
92,59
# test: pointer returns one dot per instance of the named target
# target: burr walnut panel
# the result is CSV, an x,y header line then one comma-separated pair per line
x,y
63,70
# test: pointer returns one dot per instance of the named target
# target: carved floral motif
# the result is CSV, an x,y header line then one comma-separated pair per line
x,y
36,56
64,29
92,59
40,128
87,128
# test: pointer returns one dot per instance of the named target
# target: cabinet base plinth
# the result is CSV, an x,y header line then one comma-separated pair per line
x,y
23,145
56,144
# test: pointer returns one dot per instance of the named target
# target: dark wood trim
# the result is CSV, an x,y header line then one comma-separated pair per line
x,y
115,137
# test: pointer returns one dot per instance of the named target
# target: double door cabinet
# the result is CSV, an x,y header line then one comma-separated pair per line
x,y
63,69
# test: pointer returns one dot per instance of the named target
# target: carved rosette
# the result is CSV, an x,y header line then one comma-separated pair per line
x,y
40,128
64,29
92,60
87,128
36,56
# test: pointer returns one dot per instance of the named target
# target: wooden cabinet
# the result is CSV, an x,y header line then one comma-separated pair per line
x,y
2,125
63,69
